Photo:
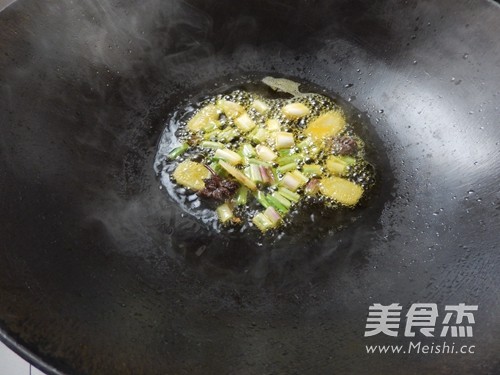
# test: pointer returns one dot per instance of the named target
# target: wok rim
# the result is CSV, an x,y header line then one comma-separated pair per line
x,y
18,346
22,351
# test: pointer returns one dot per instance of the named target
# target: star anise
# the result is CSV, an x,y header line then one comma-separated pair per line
x,y
344,145
217,187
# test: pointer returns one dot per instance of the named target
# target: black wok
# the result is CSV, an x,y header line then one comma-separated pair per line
x,y
101,272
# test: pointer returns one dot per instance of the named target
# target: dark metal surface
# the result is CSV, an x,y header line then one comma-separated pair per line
x,y
99,272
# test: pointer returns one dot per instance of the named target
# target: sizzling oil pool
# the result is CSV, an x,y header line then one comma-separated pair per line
x,y
264,156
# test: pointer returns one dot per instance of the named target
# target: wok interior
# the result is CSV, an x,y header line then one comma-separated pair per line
x,y
101,274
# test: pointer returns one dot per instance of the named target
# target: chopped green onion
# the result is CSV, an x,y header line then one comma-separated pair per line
x,y
261,198
244,123
273,125
280,198
211,126
284,140
259,162
213,145
349,160
305,143
299,176
260,106
227,135
248,150
284,152
276,204
287,159
230,156
312,187
288,194
211,135
255,173
287,168
278,151
262,222
178,151
273,216
224,212
336,165
266,174
313,151
291,182
246,172
311,170
296,110
265,153
241,196
231,109
259,135
274,176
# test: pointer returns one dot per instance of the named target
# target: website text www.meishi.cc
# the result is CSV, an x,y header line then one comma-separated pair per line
x,y
421,348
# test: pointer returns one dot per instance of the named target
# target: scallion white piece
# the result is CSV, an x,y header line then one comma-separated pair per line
x,y
284,140
265,153
294,111
291,182
244,123
225,213
230,156
273,215
260,106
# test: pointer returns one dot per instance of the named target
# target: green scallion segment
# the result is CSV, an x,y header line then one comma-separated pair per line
x,y
288,194
287,168
281,199
242,196
312,170
261,198
259,162
287,159
262,222
212,145
225,213
276,204
248,150
178,151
